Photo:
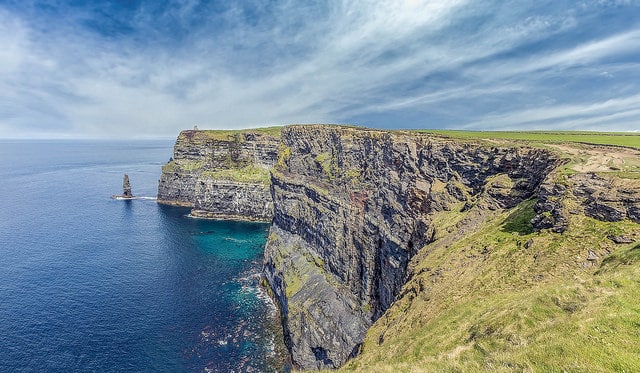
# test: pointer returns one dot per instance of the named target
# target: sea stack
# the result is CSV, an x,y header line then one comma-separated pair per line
x,y
126,187
126,190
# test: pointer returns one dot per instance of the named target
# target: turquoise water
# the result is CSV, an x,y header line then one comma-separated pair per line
x,y
88,283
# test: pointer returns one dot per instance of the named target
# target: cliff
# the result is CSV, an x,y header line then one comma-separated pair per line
x,y
394,250
353,206
221,174
549,285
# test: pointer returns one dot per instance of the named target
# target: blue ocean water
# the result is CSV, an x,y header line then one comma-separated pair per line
x,y
88,283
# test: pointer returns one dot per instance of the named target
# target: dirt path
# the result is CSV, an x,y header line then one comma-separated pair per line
x,y
601,158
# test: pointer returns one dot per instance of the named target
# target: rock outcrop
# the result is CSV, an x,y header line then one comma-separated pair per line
x,y
221,174
352,206
605,198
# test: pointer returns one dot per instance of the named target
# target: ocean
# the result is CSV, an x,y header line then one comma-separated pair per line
x,y
88,283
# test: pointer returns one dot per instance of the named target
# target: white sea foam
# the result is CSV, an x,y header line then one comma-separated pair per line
x,y
235,239
144,198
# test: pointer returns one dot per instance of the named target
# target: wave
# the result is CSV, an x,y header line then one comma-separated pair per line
x,y
145,198
234,239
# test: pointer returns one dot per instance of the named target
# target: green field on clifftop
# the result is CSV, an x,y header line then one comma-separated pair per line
x,y
631,139
227,134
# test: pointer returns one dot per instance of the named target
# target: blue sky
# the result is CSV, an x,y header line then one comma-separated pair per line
x,y
148,68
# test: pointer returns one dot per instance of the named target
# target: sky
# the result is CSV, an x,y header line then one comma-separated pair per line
x,y
148,68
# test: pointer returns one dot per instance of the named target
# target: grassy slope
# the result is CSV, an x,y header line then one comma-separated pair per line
x,y
246,174
489,303
631,139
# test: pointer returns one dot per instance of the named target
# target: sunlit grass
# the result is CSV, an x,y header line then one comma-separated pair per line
x,y
229,134
631,139
489,302
246,174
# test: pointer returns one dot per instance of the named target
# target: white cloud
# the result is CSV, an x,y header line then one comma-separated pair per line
x,y
593,115
330,63
13,39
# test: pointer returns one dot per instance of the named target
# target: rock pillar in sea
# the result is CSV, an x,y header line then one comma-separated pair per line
x,y
126,187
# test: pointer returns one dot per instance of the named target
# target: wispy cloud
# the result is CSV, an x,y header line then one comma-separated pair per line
x,y
150,69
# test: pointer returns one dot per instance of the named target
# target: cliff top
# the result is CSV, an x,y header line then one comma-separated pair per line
x,y
228,134
614,153
601,152
627,139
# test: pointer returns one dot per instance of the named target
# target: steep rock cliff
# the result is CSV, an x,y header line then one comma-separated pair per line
x,y
221,174
550,285
353,206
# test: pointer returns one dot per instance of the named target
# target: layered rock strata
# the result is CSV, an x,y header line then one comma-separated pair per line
x,y
606,198
217,198
221,174
351,208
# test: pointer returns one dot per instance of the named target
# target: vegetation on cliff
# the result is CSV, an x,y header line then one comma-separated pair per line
x,y
230,134
246,174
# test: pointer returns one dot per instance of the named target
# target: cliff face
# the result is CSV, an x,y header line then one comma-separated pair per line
x,y
224,199
221,174
353,206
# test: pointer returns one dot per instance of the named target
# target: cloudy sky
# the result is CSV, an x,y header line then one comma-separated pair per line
x,y
149,68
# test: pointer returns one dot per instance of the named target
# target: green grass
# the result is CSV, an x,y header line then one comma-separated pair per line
x,y
630,139
519,220
182,165
228,134
628,256
486,303
246,174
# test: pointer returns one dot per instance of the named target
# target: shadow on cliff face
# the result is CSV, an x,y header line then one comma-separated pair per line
x,y
519,221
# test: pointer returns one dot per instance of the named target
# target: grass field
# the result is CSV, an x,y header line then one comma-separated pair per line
x,y
630,139
227,134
